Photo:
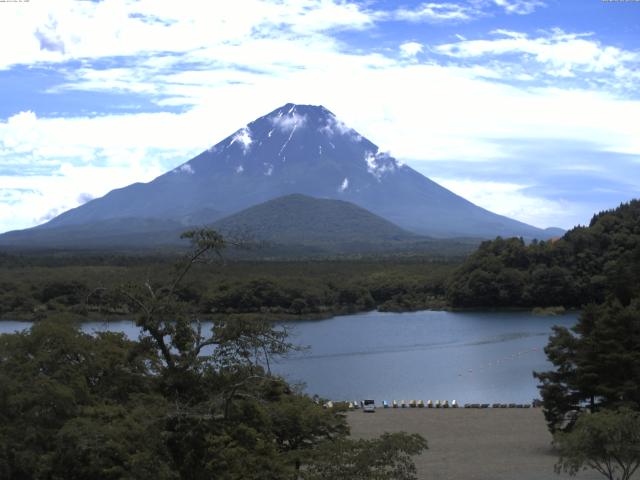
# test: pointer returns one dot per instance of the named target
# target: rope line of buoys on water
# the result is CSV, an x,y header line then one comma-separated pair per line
x,y
499,361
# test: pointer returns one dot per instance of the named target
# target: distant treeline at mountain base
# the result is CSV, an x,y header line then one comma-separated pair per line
x,y
36,287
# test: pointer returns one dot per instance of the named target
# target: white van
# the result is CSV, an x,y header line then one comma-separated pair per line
x,y
368,406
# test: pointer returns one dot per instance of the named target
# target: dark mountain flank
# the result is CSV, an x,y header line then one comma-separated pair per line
x,y
296,149
302,220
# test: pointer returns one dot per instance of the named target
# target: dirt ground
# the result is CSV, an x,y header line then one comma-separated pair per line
x,y
472,444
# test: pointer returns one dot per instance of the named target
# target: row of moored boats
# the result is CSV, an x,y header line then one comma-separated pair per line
x,y
369,404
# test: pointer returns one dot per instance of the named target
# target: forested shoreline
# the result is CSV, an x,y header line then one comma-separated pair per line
x,y
32,288
586,265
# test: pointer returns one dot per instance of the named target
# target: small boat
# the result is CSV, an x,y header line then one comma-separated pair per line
x,y
403,404
329,404
412,404
420,403
350,405
445,404
356,405
454,404
395,404
437,403
429,404
385,404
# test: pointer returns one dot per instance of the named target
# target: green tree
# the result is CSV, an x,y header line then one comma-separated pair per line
x,y
67,398
386,458
597,364
606,441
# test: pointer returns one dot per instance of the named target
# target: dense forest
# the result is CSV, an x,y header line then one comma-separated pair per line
x,y
596,363
33,287
587,265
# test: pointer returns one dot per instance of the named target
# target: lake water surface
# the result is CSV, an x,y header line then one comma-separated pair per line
x,y
475,357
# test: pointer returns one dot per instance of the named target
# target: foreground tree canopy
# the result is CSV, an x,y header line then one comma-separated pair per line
x,y
176,403
607,441
597,363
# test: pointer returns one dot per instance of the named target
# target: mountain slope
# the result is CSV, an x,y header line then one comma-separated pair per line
x,y
294,149
302,220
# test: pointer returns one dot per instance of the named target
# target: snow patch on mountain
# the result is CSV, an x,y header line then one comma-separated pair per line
x,y
291,121
242,136
284,145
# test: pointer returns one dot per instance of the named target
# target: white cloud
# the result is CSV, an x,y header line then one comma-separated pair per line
x,y
58,31
511,200
37,198
336,126
410,49
562,54
437,12
379,163
187,168
520,7
344,185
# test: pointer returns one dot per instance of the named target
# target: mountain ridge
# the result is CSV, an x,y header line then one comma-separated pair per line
x,y
301,149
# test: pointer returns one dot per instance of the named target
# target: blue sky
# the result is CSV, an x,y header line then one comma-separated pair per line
x,y
529,108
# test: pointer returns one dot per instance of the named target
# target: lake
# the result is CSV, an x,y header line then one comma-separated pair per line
x,y
474,357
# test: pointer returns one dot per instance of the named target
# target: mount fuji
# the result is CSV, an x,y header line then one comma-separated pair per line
x,y
296,149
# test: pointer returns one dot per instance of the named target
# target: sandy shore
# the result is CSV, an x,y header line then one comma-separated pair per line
x,y
472,444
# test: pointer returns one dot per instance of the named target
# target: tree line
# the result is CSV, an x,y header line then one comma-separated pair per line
x,y
587,265
276,289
